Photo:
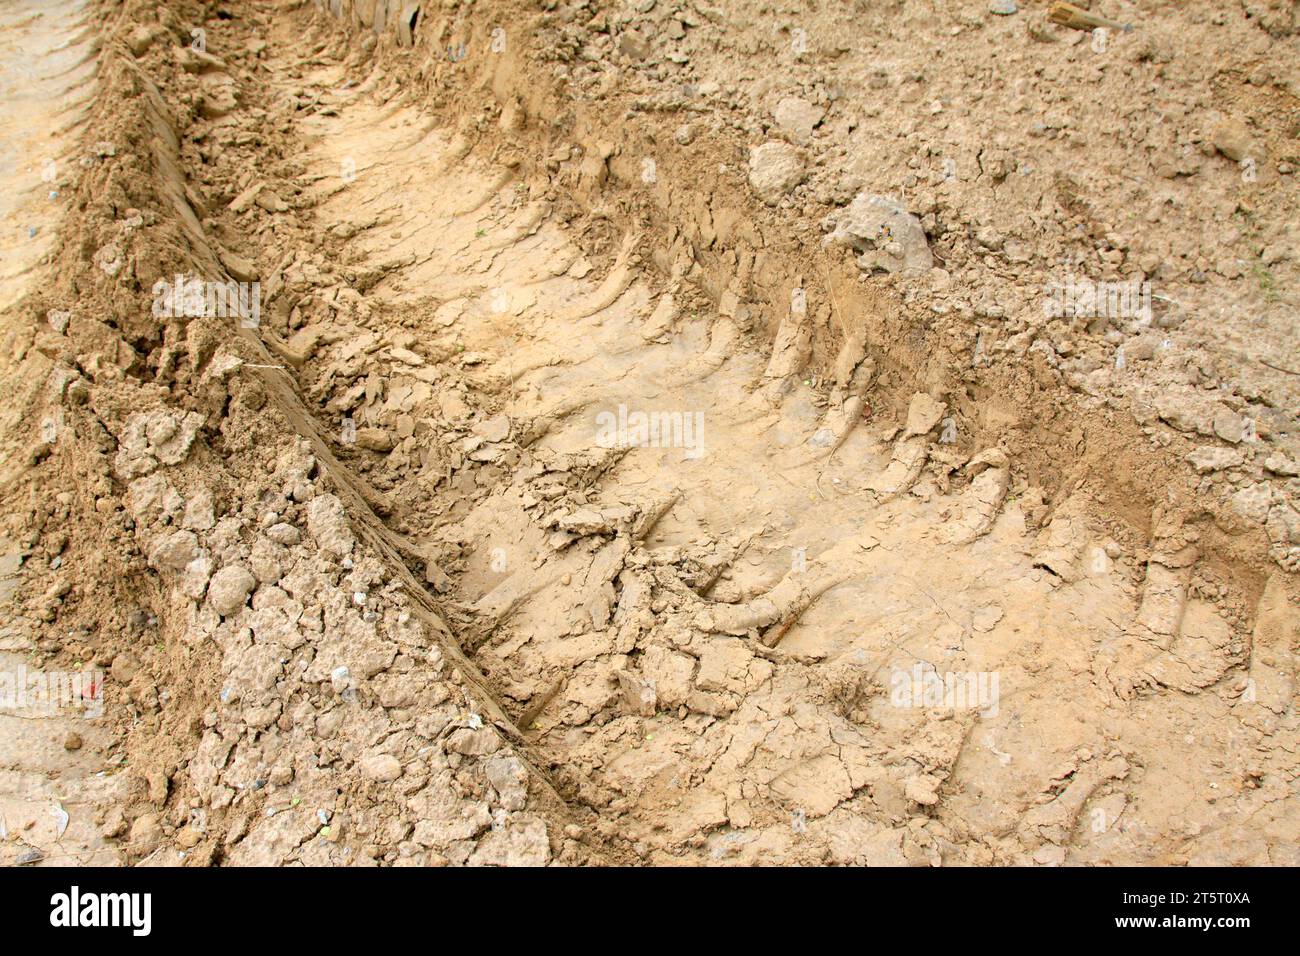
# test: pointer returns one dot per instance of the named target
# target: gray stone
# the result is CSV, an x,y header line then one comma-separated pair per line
x,y
884,234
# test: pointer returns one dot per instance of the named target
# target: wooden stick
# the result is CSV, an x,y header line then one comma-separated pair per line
x,y
1067,14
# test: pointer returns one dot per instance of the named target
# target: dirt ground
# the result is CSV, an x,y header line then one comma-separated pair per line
x,y
536,433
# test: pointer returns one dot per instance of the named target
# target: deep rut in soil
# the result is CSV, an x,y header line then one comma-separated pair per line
x,y
707,637
506,534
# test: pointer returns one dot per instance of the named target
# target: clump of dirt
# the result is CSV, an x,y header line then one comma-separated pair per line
x,y
653,436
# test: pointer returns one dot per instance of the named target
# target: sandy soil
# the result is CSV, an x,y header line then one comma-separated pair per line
x,y
661,435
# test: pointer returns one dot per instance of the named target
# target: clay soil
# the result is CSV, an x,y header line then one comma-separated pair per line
x,y
658,432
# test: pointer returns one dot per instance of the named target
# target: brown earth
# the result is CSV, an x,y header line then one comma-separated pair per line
x,y
380,578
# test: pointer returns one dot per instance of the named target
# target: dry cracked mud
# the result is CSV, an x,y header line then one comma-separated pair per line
x,y
536,433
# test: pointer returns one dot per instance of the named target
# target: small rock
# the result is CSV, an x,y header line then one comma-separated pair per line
x,y
583,521
1229,426
241,269
200,512
797,118
922,790
885,235
146,829
509,779
175,551
246,199
986,618
1184,414
375,439
639,696
229,589
1210,458
271,202
1280,464
1232,139
406,356
1253,501
474,743
215,105
923,413
328,524
124,667
822,438
72,742
632,45
381,767
283,533
494,429
774,169
139,41
200,61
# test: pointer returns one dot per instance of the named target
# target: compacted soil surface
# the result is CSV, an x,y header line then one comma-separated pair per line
x,y
660,432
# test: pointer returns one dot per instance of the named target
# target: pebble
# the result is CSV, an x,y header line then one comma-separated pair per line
x,y
229,589
381,767
1232,139
774,169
